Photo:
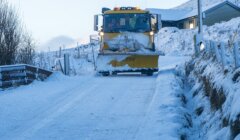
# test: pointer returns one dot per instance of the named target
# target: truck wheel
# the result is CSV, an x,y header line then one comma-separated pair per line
x,y
105,74
114,73
147,73
150,74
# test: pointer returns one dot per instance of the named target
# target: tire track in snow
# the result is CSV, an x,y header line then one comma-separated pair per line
x,y
92,134
135,95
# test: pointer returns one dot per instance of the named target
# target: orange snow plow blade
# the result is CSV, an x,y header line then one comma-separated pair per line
x,y
127,62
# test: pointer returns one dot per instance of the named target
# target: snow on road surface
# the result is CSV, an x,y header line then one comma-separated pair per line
x,y
93,107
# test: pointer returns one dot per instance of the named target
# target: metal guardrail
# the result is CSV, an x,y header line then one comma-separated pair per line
x,y
15,75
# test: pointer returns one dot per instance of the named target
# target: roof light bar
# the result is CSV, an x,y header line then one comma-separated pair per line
x,y
117,8
126,8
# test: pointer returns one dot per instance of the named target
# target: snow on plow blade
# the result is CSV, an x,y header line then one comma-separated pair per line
x,y
127,62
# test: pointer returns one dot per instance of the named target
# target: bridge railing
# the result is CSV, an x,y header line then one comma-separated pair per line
x,y
22,74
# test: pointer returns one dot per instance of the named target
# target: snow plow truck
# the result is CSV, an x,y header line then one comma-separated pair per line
x,y
127,41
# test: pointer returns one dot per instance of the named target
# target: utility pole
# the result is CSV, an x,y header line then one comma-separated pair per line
x,y
200,17
199,36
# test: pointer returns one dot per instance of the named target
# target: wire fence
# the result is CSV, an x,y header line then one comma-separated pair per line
x,y
225,53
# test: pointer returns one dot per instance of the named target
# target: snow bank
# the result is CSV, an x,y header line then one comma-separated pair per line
x,y
215,98
166,117
167,111
173,41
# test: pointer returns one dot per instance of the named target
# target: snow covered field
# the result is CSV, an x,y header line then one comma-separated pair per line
x,y
94,107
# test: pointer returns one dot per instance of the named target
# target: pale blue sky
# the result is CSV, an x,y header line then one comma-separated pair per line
x,y
46,19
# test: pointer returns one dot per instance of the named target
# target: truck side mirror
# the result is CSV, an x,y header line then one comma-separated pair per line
x,y
95,22
104,9
159,22
156,22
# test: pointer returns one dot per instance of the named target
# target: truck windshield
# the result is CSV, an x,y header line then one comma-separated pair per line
x,y
126,23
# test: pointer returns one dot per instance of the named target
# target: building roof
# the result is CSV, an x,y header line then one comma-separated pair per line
x,y
180,14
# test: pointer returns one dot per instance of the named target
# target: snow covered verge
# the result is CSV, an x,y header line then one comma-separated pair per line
x,y
167,117
174,41
213,98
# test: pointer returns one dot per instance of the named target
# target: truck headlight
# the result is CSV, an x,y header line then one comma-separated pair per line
x,y
151,33
101,33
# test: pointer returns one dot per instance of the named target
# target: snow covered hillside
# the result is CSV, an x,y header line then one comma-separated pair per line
x,y
192,4
64,42
173,41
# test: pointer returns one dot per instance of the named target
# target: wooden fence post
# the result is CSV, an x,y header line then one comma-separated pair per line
x,y
37,73
207,46
78,52
66,64
60,52
236,55
1,78
59,61
216,51
94,63
222,45
196,46
25,74
211,47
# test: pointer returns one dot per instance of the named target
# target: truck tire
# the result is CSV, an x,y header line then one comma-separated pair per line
x,y
105,73
147,73
150,74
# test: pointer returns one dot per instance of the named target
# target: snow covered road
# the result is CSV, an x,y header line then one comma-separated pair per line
x,y
99,108
89,108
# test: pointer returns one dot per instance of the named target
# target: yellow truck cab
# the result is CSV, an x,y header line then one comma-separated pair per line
x,y
127,40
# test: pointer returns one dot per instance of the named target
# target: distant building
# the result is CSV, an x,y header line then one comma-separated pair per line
x,y
187,18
